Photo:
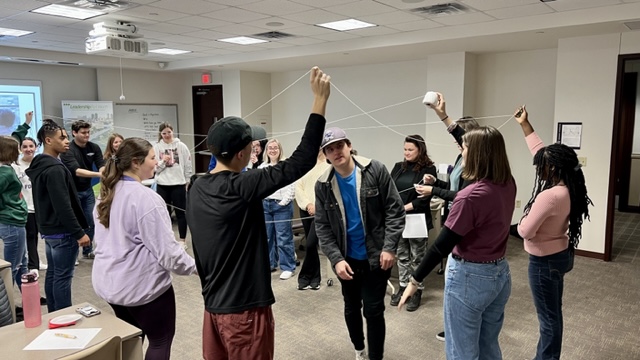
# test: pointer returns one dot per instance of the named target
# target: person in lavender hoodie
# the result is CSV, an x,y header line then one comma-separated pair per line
x,y
136,249
551,227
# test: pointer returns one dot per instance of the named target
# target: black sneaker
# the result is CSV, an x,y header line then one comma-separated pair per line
x,y
314,286
440,336
304,287
43,301
395,298
414,302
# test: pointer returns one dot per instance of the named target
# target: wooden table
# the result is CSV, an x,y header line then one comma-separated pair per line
x,y
14,338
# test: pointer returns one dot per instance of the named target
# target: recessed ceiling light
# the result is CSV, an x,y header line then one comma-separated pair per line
x,y
243,40
346,25
166,51
14,32
274,23
68,11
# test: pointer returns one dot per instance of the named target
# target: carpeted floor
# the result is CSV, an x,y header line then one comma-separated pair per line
x,y
601,307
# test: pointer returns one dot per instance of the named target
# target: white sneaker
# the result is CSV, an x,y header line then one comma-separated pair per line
x,y
77,262
361,355
286,275
43,266
183,244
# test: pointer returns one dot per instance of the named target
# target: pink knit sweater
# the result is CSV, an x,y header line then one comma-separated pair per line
x,y
545,227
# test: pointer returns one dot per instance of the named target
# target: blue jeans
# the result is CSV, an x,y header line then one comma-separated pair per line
x,y
15,250
280,234
475,296
546,278
61,259
88,202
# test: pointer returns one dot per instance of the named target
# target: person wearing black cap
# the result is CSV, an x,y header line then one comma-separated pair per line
x,y
226,219
359,221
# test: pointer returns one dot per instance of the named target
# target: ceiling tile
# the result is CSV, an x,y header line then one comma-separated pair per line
x,y
208,35
168,28
200,22
360,8
238,15
194,7
520,11
154,13
337,36
275,45
309,30
400,4
182,39
22,4
390,18
7,13
374,31
462,19
219,52
325,3
262,23
302,41
568,5
276,7
316,16
239,29
484,5
415,25
28,17
233,2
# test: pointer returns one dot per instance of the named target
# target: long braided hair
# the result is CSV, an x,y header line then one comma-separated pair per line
x,y
555,163
48,128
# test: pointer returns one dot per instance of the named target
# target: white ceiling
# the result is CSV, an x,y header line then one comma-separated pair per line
x,y
488,26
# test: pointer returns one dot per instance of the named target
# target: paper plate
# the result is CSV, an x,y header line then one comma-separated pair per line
x,y
65,319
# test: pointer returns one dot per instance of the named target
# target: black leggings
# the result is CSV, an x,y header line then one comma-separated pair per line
x,y
32,241
176,195
157,320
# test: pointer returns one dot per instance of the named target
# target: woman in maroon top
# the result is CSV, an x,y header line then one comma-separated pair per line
x,y
478,279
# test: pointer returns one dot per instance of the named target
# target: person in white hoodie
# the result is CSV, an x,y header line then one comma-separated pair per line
x,y
173,172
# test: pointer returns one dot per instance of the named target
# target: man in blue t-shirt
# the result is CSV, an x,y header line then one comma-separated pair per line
x,y
359,221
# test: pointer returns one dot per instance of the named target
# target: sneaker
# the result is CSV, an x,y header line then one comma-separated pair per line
x,y
274,269
414,302
183,244
43,301
90,255
77,262
315,286
304,287
42,266
286,275
440,336
395,298
361,355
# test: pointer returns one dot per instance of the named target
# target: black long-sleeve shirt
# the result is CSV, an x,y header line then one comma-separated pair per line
x,y
226,220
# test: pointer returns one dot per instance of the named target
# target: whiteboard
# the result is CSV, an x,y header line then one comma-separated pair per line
x,y
143,120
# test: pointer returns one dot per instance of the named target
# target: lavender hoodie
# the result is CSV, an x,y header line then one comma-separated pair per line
x,y
137,253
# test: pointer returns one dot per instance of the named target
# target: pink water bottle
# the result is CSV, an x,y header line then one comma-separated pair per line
x,y
31,301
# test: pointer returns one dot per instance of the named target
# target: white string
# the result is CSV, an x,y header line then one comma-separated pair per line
x,y
278,94
412,188
505,123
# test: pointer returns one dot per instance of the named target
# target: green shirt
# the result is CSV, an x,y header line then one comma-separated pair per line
x,y
13,208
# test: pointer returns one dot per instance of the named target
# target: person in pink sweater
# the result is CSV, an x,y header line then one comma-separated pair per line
x,y
551,227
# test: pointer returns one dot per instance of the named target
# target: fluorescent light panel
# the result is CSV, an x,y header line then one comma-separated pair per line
x,y
14,32
346,25
68,11
166,51
243,40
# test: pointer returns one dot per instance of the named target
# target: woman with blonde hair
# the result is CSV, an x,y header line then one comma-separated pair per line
x,y
112,145
478,279
278,213
136,251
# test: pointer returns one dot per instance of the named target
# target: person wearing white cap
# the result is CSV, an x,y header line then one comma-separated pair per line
x,y
359,221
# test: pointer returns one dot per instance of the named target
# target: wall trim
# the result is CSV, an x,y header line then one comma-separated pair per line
x,y
590,254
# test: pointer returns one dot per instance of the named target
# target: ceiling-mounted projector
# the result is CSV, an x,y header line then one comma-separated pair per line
x,y
116,46
116,28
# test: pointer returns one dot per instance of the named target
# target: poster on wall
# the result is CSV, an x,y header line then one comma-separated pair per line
x,y
98,113
570,134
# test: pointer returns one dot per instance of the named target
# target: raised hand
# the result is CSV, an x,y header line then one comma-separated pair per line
x,y
521,114
28,117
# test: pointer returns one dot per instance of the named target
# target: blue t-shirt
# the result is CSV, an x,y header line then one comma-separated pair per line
x,y
356,248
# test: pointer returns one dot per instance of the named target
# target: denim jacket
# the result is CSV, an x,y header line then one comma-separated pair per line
x,y
381,210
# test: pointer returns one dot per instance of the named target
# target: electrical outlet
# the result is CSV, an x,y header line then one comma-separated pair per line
x,y
582,160
518,204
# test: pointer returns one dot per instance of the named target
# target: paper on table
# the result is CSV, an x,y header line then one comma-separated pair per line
x,y
415,226
49,341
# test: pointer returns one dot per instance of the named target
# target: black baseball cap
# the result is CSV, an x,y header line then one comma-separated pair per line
x,y
231,134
